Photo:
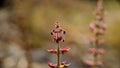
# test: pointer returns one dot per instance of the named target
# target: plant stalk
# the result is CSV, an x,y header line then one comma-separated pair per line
x,y
58,56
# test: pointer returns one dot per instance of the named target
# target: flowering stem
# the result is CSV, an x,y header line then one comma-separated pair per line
x,y
58,56
99,6
96,47
99,28
58,33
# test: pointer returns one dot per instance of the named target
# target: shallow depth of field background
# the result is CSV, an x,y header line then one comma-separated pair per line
x,y
25,27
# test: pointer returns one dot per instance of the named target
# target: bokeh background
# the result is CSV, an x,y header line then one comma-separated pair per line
x,y
25,27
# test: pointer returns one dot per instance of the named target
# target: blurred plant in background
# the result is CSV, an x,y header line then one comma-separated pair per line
x,y
97,43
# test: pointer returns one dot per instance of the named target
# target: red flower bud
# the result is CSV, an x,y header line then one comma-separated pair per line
x,y
59,38
58,33
92,26
52,51
51,65
65,64
64,50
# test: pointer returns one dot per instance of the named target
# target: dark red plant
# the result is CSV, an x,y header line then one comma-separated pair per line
x,y
58,34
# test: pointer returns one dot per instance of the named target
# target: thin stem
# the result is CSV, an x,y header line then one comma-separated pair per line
x,y
96,47
58,56
99,6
